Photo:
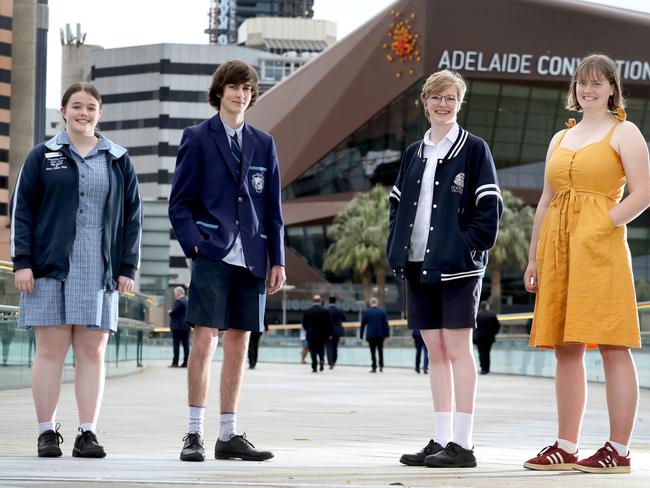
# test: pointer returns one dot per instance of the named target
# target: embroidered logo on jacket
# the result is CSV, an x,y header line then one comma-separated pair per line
x,y
459,183
257,181
58,163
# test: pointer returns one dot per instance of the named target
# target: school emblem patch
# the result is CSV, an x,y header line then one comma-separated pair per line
x,y
257,182
459,183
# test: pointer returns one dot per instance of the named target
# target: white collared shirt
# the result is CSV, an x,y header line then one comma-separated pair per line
x,y
421,226
236,254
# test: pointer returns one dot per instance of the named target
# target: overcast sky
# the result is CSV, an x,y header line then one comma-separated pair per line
x,y
118,23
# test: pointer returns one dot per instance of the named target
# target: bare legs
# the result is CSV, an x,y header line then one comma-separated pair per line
x,y
52,345
89,346
204,343
622,389
571,388
452,370
235,345
205,339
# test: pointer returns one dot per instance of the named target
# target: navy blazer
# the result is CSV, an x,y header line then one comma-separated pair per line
x,y
213,199
376,321
177,315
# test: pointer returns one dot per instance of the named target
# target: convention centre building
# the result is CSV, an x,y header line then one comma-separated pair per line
x,y
342,122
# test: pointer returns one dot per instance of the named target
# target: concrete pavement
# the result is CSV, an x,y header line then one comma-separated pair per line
x,y
341,428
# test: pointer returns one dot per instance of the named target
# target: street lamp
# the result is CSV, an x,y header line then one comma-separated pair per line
x,y
285,289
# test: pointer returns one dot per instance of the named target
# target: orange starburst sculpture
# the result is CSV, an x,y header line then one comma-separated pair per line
x,y
403,44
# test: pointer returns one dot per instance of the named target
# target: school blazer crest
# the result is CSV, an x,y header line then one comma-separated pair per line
x,y
467,208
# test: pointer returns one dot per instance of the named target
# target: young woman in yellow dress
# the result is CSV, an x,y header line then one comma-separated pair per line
x,y
580,266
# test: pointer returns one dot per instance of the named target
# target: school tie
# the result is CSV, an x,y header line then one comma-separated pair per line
x,y
235,149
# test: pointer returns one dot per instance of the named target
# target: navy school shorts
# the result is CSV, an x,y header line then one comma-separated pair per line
x,y
447,305
223,296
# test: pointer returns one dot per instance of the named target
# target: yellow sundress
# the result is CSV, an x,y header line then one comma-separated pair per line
x,y
584,269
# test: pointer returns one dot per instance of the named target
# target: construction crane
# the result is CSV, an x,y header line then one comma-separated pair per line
x,y
221,17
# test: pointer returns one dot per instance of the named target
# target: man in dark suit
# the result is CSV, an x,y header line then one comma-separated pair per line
x,y
226,213
487,327
374,323
180,329
317,323
338,317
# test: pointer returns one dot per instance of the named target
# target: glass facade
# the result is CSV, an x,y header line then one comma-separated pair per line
x,y
516,120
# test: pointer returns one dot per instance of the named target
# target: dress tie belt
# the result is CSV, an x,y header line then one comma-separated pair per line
x,y
570,207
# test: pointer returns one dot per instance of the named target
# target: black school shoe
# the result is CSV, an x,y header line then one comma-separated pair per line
x,y
86,445
48,443
417,459
238,447
452,456
193,447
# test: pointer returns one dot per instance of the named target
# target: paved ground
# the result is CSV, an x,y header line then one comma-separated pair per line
x,y
342,428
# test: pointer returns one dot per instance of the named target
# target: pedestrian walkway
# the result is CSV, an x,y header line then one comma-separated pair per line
x,y
340,428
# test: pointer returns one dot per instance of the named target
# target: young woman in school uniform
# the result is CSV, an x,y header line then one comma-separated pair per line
x,y
444,217
75,243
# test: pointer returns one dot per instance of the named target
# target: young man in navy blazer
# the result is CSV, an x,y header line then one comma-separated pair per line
x,y
226,213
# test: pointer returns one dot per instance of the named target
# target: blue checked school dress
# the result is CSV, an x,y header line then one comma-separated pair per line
x,y
79,299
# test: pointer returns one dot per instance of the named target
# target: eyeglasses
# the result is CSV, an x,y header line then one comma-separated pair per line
x,y
437,99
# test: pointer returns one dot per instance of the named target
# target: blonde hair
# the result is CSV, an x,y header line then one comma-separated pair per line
x,y
592,66
439,82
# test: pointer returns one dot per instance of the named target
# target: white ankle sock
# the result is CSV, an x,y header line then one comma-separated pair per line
x,y
196,420
45,426
568,446
227,425
89,426
463,426
620,448
442,421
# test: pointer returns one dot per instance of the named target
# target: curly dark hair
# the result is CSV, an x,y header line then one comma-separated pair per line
x,y
232,72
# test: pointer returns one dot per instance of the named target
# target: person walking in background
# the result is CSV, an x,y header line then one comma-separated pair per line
x,y
226,212
487,328
317,323
445,209
579,264
254,345
7,333
420,352
304,346
76,223
374,323
338,317
180,329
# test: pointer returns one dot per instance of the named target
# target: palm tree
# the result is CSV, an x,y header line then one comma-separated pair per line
x,y
359,234
513,242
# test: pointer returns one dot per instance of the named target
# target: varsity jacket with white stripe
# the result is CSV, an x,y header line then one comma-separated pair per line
x,y
467,208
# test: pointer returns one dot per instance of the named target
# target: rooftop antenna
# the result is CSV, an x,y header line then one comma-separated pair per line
x,y
68,39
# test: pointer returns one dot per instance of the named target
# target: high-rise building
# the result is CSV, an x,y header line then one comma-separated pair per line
x,y
6,38
23,62
226,16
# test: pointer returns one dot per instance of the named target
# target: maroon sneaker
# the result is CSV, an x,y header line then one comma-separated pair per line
x,y
552,458
606,460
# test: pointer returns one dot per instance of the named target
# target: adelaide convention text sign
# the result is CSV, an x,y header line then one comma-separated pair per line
x,y
525,64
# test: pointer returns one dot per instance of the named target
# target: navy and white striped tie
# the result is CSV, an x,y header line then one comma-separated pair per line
x,y
235,149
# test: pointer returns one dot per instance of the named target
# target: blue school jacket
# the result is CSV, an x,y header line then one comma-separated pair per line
x,y
45,203
213,199
467,208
